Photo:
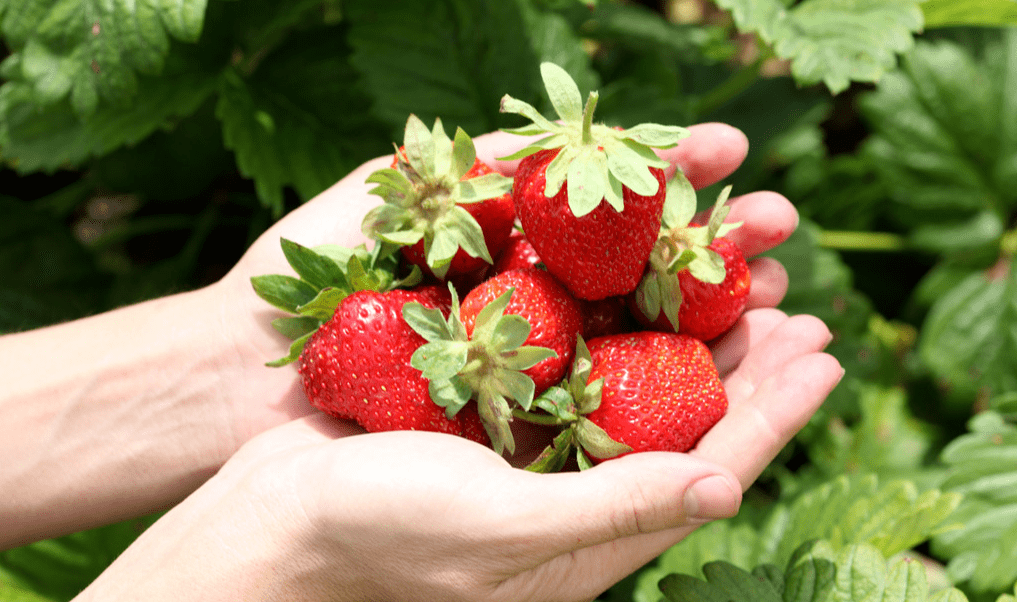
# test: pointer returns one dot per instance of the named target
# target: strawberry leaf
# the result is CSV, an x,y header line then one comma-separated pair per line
x,y
419,147
440,360
679,202
515,385
522,358
285,292
452,394
296,348
317,270
596,442
481,188
563,92
294,327
323,306
831,41
464,155
427,322
586,182
555,455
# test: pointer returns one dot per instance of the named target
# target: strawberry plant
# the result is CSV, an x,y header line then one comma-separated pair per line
x,y
144,147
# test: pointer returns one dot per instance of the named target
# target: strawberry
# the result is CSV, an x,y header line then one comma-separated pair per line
x,y
708,310
632,392
357,366
517,254
512,337
589,196
449,211
661,391
697,282
554,316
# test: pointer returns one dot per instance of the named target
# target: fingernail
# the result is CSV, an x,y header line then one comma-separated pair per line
x,y
711,498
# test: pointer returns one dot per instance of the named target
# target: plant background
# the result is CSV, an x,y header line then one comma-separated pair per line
x,y
145,145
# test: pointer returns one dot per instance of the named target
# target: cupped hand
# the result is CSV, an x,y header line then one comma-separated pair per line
x,y
318,510
711,153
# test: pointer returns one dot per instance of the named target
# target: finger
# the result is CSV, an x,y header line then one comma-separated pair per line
x,y
768,219
751,328
755,430
794,337
711,152
611,519
769,283
631,495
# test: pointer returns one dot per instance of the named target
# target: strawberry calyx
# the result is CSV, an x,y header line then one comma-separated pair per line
x,y
326,275
596,161
486,367
424,194
682,246
566,405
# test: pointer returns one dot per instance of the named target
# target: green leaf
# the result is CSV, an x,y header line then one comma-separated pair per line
x,y
84,51
481,188
586,182
595,441
293,354
427,322
296,327
832,41
437,41
452,394
969,338
947,13
563,92
554,456
844,512
982,466
324,304
45,137
286,134
679,202
285,292
317,270
440,360
942,145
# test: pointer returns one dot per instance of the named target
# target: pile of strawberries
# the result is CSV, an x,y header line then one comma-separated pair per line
x,y
578,293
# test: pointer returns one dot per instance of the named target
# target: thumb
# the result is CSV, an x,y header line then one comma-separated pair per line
x,y
634,495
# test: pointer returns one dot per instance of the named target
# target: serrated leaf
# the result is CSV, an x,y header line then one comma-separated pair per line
x,y
45,138
982,466
437,42
942,146
86,50
969,338
285,292
832,41
319,133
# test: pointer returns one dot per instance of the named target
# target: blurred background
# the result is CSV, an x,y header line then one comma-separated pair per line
x,y
143,146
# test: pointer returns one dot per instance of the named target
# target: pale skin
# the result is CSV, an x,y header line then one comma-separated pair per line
x,y
168,404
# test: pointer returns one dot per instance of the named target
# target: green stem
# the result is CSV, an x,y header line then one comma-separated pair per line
x,y
591,106
862,241
535,418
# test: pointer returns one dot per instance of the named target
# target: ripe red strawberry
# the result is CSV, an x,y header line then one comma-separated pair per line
x,y
517,254
554,316
357,366
589,196
449,211
661,391
708,310
697,282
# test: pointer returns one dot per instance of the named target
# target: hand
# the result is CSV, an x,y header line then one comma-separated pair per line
x,y
711,153
306,511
